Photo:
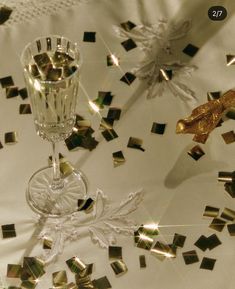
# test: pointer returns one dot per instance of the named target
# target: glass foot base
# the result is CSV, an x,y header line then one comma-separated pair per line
x,y
55,203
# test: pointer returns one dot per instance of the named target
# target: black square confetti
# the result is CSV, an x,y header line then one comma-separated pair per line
x,y
10,137
190,257
73,141
118,158
142,261
106,123
213,241
196,152
230,189
190,50
213,95
179,240
8,231
207,263
89,37
217,224
6,81
12,92
1,146
128,26
202,243
128,78
25,108
231,229
105,97
135,143
158,128
5,13
23,93
129,44
109,134
115,252
114,113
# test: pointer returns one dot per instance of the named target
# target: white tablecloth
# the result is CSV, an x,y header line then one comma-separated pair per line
x,y
177,188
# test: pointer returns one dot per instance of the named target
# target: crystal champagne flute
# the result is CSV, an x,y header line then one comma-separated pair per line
x,y
51,70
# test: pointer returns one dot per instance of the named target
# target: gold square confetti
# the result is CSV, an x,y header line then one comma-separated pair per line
x,y
135,143
196,152
59,278
112,60
118,158
12,91
142,240
119,267
11,137
76,265
231,229
202,243
66,168
109,134
158,128
85,205
47,243
85,273
229,137
228,214
25,108
142,261
213,241
226,177
230,59
5,13
162,250
42,59
190,257
34,267
211,212
217,224
179,240
102,283
71,286
150,229
14,271
8,231
213,95
6,81
115,252
207,263
28,284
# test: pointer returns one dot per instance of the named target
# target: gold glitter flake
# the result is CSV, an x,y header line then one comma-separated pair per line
x,y
119,267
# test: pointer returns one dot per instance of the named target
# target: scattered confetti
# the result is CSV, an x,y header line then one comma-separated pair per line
x,y
211,212
47,243
119,267
135,143
190,257
142,261
14,271
213,241
76,265
118,158
226,177
59,278
11,137
109,134
129,44
229,137
201,138
207,263
231,229
102,283
230,59
8,231
114,113
162,250
115,252
106,123
89,37
12,91
112,60
190,50
128,78
196,152
6,81
202,243
25,109
165,74
104,98
228,214
5,13
158,128
230,189
23,93
128,26
213,95
179,240
142,240
86,205
217,224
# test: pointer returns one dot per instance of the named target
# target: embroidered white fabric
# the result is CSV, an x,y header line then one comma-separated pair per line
x,y
103,225
27,10
156,43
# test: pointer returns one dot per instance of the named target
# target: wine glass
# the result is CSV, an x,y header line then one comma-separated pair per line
x,y
51,70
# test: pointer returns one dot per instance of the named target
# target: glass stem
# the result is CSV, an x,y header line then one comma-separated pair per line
x,y
57,181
